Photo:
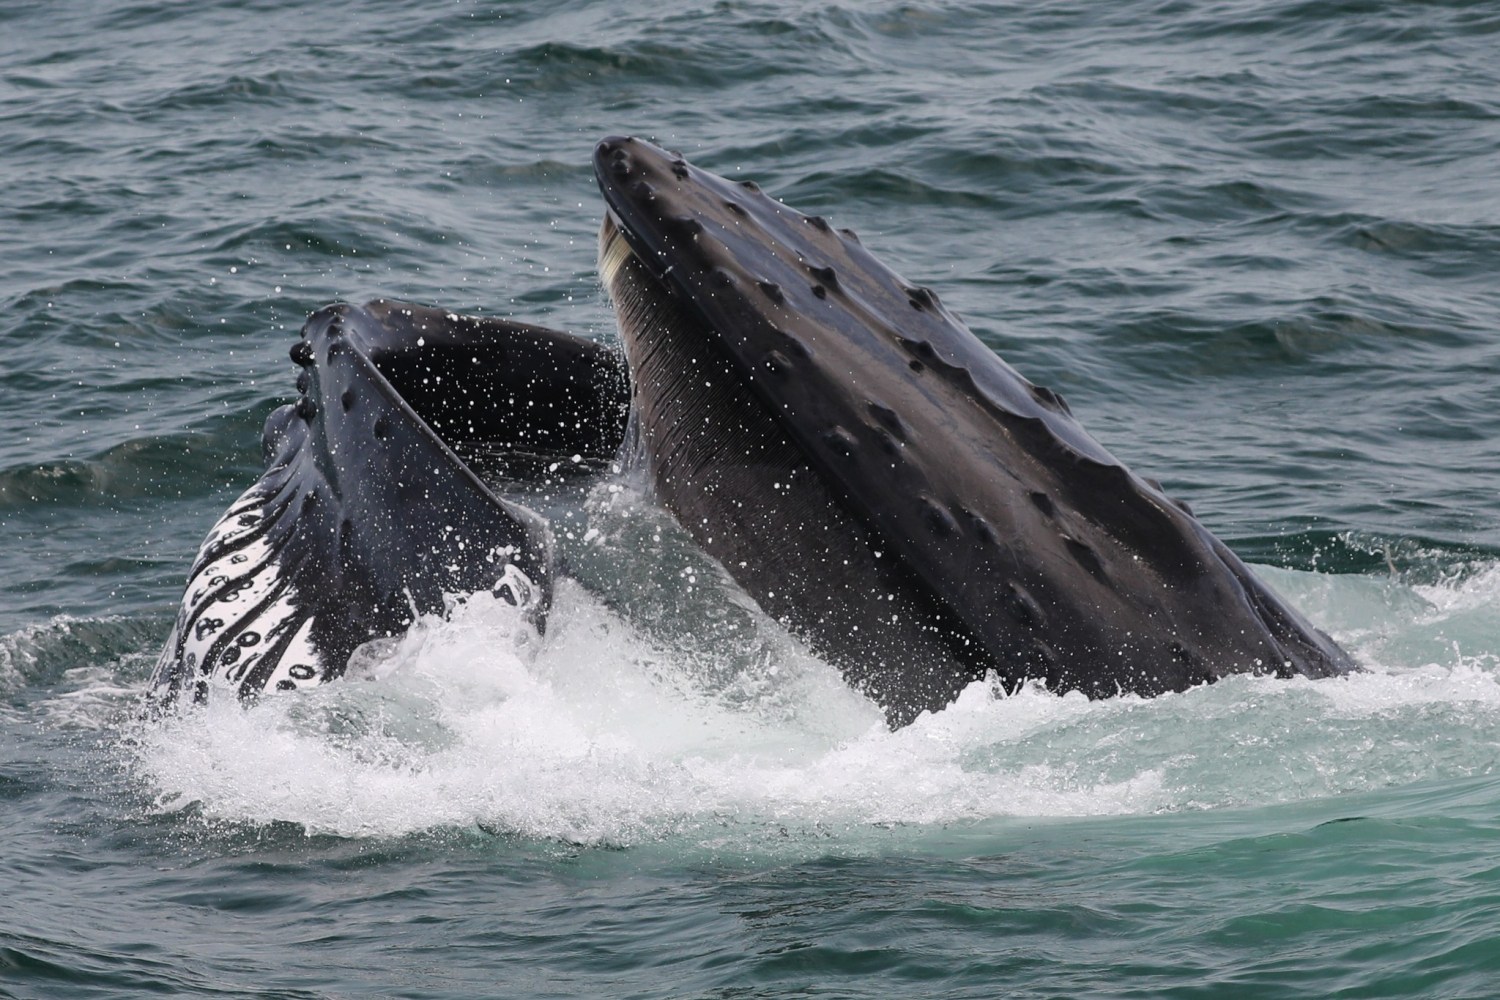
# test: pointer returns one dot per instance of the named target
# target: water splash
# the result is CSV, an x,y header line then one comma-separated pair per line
x,y
602,734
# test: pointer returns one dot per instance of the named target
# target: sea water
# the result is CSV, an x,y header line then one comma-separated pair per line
x,y
1254,244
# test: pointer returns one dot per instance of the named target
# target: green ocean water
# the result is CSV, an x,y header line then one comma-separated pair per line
x,y
1253,243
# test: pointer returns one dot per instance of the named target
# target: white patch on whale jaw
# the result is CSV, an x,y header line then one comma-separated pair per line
x,y
240,613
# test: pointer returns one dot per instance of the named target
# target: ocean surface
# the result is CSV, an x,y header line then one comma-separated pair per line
x,y
1254,242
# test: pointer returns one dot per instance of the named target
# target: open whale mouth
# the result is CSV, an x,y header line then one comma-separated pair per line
x,y
872,475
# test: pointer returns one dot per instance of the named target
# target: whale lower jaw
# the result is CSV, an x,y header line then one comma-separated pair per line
x,y
242,619
366,517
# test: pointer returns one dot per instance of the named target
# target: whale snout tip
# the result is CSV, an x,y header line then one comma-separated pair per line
x,y
612,158
611,143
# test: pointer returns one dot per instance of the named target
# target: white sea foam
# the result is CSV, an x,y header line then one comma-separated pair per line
x,y
599,734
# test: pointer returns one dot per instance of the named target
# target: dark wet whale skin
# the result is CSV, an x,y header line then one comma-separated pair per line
x,y
1059,562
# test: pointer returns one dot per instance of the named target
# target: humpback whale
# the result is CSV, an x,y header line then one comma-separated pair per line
x,y
868,471
879,479
367,514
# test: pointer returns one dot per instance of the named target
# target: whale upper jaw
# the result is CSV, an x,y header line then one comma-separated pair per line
x,y
1057,562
